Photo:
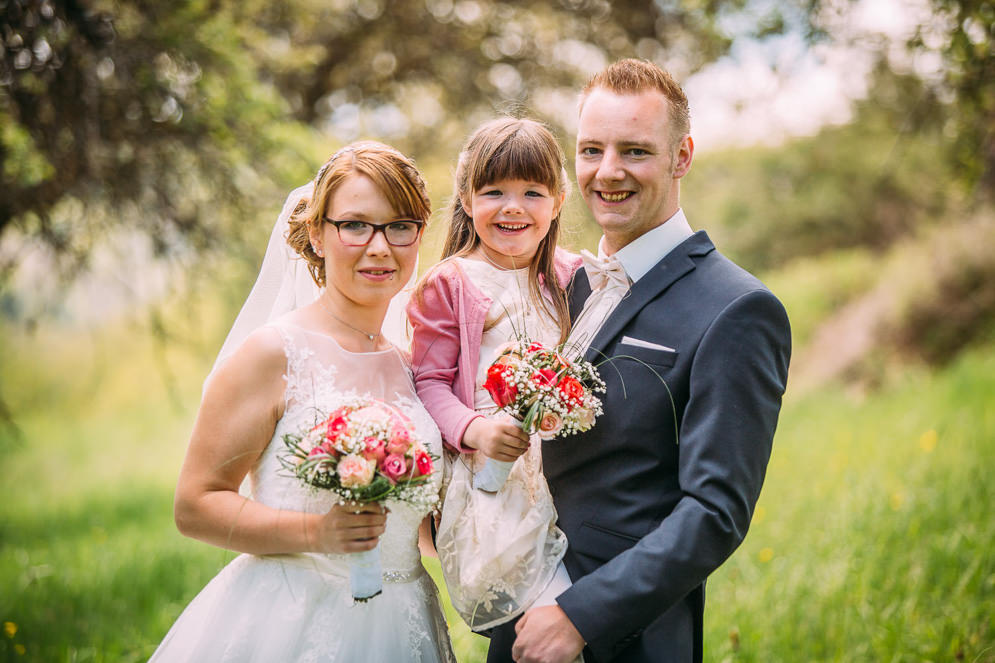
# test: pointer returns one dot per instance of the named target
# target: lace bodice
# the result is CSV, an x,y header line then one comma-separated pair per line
x,y
320,375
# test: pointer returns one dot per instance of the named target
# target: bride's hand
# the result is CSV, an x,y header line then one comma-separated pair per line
x,y
498,439
350,528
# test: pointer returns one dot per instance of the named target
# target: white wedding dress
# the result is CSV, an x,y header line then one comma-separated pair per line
x,y
299,608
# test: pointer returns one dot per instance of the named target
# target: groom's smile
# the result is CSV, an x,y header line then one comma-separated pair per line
x,y
625,162
614,197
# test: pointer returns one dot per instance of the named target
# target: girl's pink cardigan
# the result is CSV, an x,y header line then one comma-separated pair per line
x,y
447,322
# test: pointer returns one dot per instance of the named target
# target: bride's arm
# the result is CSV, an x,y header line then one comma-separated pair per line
x,y
242,402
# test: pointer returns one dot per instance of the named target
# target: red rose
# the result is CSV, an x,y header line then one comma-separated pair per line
x,y
423,463
571,390
394,466
544,376
502,393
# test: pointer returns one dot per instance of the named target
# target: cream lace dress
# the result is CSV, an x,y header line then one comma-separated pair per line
x,y
299,607
501,552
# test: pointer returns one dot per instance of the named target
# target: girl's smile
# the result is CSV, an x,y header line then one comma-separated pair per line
x,y
511,218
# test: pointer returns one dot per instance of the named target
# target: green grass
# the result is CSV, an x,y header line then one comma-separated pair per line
x,y
871,542
872,538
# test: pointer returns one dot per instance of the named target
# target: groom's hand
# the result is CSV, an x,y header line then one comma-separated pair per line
x,y
546,635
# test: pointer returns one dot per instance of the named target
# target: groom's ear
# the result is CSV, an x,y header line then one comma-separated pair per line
x,y
683,157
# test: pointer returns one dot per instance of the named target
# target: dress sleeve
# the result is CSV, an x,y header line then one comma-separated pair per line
x,y
434,314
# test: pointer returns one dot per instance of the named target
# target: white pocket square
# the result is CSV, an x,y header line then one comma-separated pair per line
x,y
639,343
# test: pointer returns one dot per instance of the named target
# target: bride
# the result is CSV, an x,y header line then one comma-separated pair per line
x,y
288,597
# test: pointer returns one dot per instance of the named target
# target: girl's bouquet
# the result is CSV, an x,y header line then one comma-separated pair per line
x,y
364,451
549,394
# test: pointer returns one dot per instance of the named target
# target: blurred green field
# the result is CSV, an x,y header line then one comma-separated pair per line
x,y
872,540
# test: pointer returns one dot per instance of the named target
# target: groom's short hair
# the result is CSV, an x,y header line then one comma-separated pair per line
x,y
632,76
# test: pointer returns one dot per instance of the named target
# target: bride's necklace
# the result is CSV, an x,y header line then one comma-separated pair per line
x,y
372,337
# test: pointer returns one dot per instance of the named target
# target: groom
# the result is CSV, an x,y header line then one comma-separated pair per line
x,y
661,491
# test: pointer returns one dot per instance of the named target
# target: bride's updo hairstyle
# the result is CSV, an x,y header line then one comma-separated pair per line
x,y
393,173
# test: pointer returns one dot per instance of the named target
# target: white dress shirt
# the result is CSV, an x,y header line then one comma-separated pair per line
x,y
637,258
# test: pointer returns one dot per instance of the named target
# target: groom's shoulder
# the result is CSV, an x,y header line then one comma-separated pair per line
x,y
722,278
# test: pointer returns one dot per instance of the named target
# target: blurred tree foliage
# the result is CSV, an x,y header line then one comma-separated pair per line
x,y
867,183
919,151
165,118
143,115
952,48
963,33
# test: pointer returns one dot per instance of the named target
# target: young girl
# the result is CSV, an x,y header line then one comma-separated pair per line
x,y
501,277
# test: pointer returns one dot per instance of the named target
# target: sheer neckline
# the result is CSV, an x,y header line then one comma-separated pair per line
x,y
493,268
391,348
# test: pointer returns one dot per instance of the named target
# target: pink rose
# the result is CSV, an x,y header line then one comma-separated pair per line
x,y
423,463
549,425
355,471
400,440
336,425
373,449
394,466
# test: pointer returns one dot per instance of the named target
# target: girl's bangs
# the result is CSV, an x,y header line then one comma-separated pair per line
x,y
520,157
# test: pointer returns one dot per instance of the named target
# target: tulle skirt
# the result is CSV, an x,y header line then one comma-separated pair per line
x,y
299,608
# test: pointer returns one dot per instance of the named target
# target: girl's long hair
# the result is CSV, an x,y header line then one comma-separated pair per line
x,y
513,149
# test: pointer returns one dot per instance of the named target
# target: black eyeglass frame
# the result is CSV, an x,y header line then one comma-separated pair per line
x,y
377,227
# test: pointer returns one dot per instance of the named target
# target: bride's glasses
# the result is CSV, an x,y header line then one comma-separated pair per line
x,y
404,232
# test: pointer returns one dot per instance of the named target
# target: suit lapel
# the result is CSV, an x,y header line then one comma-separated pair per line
x,y
578,291
674,266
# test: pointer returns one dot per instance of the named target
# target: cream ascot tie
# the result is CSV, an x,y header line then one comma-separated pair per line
x,y
603,272
609,284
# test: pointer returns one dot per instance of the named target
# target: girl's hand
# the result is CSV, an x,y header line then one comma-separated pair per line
x,y
498,439
350,528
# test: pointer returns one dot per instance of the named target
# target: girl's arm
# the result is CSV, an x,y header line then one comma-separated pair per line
x,y
435,349
242,402
438,326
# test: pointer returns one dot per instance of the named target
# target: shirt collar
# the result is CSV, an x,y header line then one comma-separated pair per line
x,y
639,255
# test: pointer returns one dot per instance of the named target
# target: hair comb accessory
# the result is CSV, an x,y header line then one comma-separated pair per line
x,y
324,167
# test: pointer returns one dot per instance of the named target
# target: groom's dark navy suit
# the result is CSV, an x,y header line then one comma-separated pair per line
x,y
661,491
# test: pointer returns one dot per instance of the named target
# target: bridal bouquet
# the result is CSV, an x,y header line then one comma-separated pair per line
x,y
549,394
364,451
